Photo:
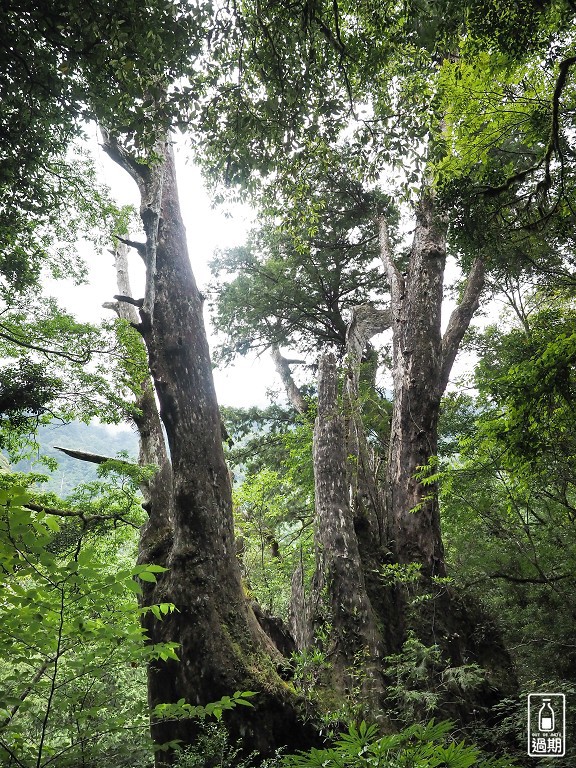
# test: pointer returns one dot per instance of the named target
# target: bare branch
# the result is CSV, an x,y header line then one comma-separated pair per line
x,y
129,300
156,491
460,319
116,152
93,458
365,323
113,305
126,303
139,247
283,370
150,181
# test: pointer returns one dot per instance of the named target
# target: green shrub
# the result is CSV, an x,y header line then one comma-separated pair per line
x,y
419,746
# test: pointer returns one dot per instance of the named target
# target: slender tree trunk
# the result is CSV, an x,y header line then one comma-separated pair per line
x,y
221,646
282,366
366,495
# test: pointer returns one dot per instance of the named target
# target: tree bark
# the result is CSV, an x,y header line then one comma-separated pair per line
x,y
354,645
156,535
157,532
413,514
283,369
92,458
367,499
460,319
422,361
222,648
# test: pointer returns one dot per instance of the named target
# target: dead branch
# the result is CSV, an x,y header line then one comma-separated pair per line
x,y
93,458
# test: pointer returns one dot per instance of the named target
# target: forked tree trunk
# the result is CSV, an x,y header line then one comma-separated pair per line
x,y
422,361
221,646
409,525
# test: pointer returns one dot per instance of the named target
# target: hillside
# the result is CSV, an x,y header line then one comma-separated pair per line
x,y
93,438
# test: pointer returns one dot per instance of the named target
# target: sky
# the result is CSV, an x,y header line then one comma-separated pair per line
x,y
208,229
249,380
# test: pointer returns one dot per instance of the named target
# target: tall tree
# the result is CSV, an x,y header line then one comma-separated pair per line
x,y
120,68
271,58
222,646
399,100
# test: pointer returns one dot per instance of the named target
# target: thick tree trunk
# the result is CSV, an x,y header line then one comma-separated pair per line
x,y
422,361
354,645
365,616
413,515
222,648
156,534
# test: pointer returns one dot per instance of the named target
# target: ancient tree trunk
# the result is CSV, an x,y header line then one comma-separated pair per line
x,y
367,498
355,647
350,527
358,531
413,516
422,361
156,534
222,648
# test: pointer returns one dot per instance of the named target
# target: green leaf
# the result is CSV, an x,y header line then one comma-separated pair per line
x,y
147,576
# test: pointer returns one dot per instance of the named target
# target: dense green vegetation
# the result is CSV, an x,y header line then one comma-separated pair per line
x,y
393,569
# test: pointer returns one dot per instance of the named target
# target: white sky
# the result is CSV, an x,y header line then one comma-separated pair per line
x,y
208,229
247,382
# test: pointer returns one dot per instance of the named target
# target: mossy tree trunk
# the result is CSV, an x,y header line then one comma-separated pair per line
x,y
221,647
353,640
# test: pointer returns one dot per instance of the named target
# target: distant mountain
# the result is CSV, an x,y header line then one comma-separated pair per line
x,y
92,438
